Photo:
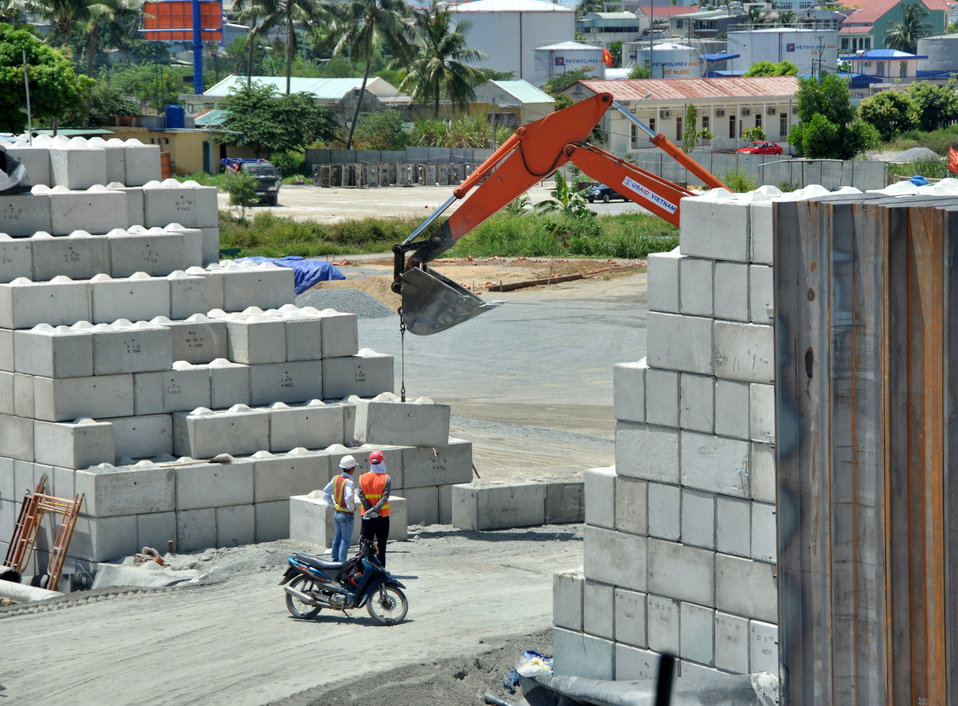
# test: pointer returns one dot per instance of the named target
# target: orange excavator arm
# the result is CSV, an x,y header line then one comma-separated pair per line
x,y
433,303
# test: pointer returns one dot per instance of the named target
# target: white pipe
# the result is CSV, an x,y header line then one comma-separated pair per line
x,y
23,593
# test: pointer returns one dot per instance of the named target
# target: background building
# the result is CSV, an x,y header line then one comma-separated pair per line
x,y
813,51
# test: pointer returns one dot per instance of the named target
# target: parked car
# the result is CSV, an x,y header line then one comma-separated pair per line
x,y
603,193
762,147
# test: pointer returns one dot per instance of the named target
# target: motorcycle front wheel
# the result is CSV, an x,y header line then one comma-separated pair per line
x,y
387,605
296,607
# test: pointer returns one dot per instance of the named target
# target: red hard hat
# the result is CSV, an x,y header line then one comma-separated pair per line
x,y
376,457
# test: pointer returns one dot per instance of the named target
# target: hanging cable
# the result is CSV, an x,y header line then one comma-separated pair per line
x,y
402,357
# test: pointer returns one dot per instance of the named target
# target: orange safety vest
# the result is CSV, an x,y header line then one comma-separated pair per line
x,y
373,485
339,493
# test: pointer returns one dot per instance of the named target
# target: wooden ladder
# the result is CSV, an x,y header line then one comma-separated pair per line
x,y
28,525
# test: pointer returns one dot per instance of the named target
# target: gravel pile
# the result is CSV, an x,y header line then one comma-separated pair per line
x,y
350,301
917,154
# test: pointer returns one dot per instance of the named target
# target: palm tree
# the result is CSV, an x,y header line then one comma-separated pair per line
x,y
267,14
440,67
66,15
904,35
362,24
110,16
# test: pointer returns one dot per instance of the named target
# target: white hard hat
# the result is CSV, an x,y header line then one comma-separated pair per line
x,y
347,462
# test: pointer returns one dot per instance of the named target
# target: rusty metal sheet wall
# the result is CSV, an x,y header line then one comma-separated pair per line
x,y
866,300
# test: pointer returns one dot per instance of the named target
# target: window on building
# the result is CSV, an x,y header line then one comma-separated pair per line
x,y
706,122
652,124
732,124
902,69
758,118
879,68
678,130
634,136
783,125
805,5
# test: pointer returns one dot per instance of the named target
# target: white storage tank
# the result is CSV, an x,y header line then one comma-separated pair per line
x,y
509,31
813,51
669,60
942,53
555,59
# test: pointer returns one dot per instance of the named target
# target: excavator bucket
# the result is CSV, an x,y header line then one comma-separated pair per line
x,y
432,303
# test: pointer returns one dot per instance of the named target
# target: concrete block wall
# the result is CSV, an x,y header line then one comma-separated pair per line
x,y
680,536
187,399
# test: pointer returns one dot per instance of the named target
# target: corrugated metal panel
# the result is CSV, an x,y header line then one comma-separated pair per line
x,y
685,88
524,92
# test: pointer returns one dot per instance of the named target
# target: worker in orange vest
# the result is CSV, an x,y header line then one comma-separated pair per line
x,y
374,489
339,493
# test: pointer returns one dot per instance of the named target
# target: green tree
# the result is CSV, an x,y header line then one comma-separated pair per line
x,y
268,123
826,95
380,131
441,64
827,122
890,112
904,35
615,49
937,105
584,7
565,200
268,14
640,72
363,25
767,68
753,134
54,87
242,190
98,103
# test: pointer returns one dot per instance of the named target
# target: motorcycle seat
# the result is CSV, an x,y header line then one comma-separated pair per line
x,y
318,563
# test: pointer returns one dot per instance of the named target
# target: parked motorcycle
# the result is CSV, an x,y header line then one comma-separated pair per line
x,y
314,584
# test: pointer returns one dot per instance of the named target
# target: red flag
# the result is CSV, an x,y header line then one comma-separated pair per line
x,y
953,160
607,57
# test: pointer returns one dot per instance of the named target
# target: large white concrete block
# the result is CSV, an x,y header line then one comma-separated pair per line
x,y
485,505
628,391
365,374
211,245
680,571
65,399
581,655
762,232
16,257
632,509
662,395
145,436
280,476
169,201
191,294
136,298
214,485
110,490
762,647
97,210
156,529
76,444
648,453
761,294
272,520
387,420
78,255
663,624
265,286
182,389
229,383
24,396
141,162
130,348
665,507
697,402
565,502
717,230
304,334
292,381
731,408
663,279
155,252
76,164
615,558
743,351
104,538
256,339
16,438
567,599
8,393
195,529
203,434
715,464
235,525
746,587
697,636
761,421
733,530
598,610
698,518
634,663
630,618
198,339
695,286
731,293
313,426
763,532
762,472
600,492
35,159
680,342
114,157
58,352
340,333
24,214
61,301
448,464
731,643
312,520
422,505
134,202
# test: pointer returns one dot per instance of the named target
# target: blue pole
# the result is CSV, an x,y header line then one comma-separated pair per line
x,y
197,49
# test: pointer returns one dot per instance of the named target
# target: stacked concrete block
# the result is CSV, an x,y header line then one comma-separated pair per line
x,y
683,528
75,164
385,419
312,520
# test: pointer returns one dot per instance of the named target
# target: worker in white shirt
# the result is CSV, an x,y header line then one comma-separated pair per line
x,y
340,494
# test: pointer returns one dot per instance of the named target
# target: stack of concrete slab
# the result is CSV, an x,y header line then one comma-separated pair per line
x,y
187,399
680,536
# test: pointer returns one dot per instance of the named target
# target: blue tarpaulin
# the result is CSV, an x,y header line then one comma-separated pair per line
x,y
306,273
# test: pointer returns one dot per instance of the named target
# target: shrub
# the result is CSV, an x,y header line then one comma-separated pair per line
x,y
738,180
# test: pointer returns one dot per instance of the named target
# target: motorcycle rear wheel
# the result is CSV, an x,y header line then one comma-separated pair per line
x,y
296,607
387,605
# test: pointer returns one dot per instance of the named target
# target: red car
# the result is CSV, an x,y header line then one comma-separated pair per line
x,y
762,147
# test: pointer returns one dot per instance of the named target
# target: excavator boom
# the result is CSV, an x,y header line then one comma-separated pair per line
x,y
433,303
